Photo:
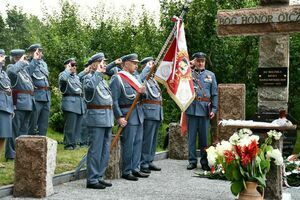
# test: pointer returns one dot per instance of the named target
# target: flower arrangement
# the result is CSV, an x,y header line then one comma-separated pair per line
x,y
242,159
292,171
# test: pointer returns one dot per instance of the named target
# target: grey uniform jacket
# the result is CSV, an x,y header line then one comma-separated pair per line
x,y
6,103
71,88
123,95
22,86
207,80
98,93
38,70
153,92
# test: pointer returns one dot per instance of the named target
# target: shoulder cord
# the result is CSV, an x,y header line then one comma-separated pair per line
x,y
131,96
151,91
63,92
79,89
84,96
6,88
198,82
101,94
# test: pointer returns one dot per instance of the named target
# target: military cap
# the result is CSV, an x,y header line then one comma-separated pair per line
x,y
17,52
96,57
199,55
33,47
130,57
68,61
145,60
2,52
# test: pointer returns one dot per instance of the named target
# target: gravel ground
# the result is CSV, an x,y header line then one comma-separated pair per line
x,y
173,182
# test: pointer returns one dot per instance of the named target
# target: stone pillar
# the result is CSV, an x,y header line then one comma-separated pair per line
x,y
113,170
34,166
274,52
178,145
231,105
273,191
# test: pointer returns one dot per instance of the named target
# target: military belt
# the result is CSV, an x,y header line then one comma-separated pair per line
x,y
93,106
156,102
23,92
42,88
202,99
72,95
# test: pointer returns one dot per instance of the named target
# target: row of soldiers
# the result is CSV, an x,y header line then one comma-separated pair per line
x,y
24,96
90,102
104,102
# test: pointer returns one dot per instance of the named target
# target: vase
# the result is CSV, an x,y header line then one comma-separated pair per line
x,y
250,192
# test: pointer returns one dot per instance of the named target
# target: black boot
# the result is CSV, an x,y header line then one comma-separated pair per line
x,y
204,161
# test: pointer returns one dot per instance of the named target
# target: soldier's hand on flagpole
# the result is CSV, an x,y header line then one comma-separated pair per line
x,y
122,122
142,90
150,64
211,115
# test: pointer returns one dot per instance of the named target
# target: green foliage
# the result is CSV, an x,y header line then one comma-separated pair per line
x,y
65,34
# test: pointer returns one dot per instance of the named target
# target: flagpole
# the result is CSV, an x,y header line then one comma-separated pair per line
x,y
166,44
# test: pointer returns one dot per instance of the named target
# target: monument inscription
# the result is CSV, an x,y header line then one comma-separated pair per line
x,y
259,21
272,76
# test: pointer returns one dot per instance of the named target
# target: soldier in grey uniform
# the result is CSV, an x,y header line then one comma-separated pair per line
x,y
153,112
202,109
131,140
99,121
23,99
38,70
6,104
83,137
72,104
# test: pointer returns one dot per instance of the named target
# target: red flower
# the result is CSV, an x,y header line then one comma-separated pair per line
x,y
229,156
247,153
212,169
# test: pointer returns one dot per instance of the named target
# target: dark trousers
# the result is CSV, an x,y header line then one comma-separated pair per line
x,y
73,123
98,153
39,118
151,128
131,142
196,125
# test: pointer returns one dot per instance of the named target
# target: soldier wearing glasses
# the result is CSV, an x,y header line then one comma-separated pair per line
x,y
38,70
72,104
6,104
23,99
99,121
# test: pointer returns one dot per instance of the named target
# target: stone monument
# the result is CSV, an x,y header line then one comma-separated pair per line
x,y
34,166
178,144
113,170
273,21
231,105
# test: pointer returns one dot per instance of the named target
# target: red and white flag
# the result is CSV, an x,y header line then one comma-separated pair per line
x,y
175,73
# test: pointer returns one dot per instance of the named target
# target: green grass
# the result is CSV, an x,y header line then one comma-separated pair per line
x,y
65,160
